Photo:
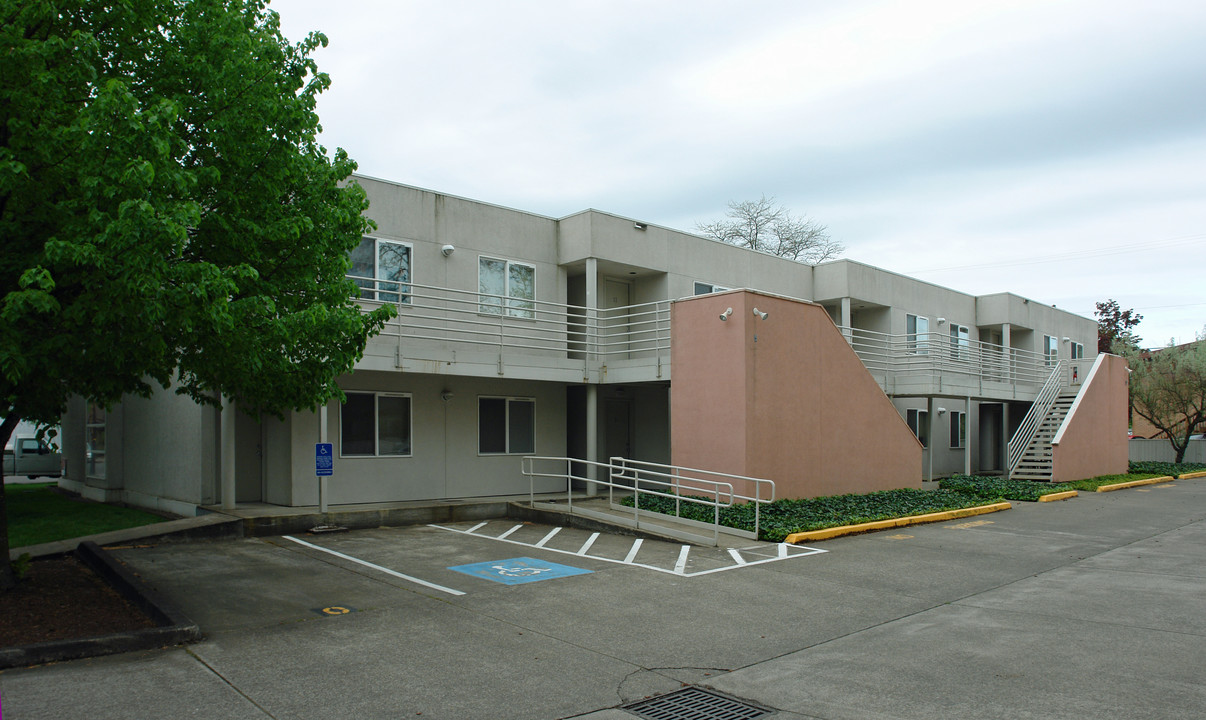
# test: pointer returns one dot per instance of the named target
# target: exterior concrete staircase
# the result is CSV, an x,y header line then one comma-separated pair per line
x,y
1036,462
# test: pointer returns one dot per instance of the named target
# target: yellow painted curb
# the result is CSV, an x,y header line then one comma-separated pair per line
x,y
827,533
1052,497
1187,476
1135,483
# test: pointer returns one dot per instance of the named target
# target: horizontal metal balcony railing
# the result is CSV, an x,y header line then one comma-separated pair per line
x,y
937,356
516,326
534,327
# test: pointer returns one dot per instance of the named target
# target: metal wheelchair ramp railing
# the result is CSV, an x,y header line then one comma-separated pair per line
x,y
625,477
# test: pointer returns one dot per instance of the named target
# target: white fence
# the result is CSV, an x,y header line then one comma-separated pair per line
x,y
1161,450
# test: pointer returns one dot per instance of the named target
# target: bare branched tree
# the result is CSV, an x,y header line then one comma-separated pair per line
x,y
1168,388
764,226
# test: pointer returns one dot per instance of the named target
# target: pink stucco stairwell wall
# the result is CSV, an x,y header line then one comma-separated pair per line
x,y
1093,438
783,398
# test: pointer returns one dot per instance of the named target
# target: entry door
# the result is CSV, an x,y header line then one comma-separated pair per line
x,y
615,326
617,428
249,459
991,436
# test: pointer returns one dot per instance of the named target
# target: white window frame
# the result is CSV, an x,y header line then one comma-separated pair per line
x,y
960,342
507,443
410,425
1077,351
96,419
918,339
382,289
919,423
958,430
1051,349
705,288
516,306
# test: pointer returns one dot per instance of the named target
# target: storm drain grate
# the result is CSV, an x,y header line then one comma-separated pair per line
x,y
694,703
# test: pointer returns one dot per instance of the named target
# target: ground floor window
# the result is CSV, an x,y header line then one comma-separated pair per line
x,y
919,423
506,426
375,424
94,439
958,429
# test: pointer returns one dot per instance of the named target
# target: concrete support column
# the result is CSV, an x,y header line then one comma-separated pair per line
x,y
967,442
847,323
592,305
592,437
1005,341
227,452
932,420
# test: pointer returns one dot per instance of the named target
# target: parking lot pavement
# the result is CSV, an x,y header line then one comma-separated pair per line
x,y
1087,608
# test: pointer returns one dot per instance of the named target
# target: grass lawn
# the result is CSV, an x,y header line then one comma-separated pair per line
x,y
39,514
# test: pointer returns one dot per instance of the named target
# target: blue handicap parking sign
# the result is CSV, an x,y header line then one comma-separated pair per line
x,y
324,459
516,571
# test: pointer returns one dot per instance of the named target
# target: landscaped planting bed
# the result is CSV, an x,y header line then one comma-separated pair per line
x,y
783,517
1166,468
992,488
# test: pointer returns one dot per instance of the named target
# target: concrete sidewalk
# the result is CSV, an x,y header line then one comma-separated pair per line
x,y
1091,607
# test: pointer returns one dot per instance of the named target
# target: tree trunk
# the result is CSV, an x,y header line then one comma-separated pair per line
x,y
8,579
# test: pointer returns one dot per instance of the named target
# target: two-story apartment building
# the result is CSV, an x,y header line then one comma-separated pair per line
x,y
596,336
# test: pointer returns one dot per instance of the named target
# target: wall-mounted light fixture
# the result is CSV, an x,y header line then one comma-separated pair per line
x,y
941,411
759,313
725,315
447,250
446,395
639,226
1067,339
941,321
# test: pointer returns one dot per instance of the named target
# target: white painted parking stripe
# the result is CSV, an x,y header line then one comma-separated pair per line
x,y
736,555
548,537
586,545
387,571
786,551
507,534
478,526
636,546
682,559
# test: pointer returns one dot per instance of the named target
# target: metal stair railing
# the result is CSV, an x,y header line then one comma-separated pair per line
x,y
648,479
1034,418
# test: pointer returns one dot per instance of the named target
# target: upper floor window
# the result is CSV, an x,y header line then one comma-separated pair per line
x,y
1078,351
506,284
917,328
1051,349
703,288
382,270
374,424
960,342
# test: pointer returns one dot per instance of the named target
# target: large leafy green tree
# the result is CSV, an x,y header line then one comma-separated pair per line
x,y
167,215
1168,388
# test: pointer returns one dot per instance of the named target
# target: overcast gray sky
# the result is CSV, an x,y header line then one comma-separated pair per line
x,y
1052,149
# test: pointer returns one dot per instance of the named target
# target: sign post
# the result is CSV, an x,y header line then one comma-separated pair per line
x,y
324,467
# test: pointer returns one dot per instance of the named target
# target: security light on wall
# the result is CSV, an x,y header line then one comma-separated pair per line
x,y
446,395
639,225
759,313
1067,339
941,321
447,250
941,411
725,315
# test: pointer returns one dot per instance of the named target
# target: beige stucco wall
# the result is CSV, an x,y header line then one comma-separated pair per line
x,y
783,398
1093,439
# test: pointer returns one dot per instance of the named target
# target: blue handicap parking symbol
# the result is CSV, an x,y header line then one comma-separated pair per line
x,y
516,571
